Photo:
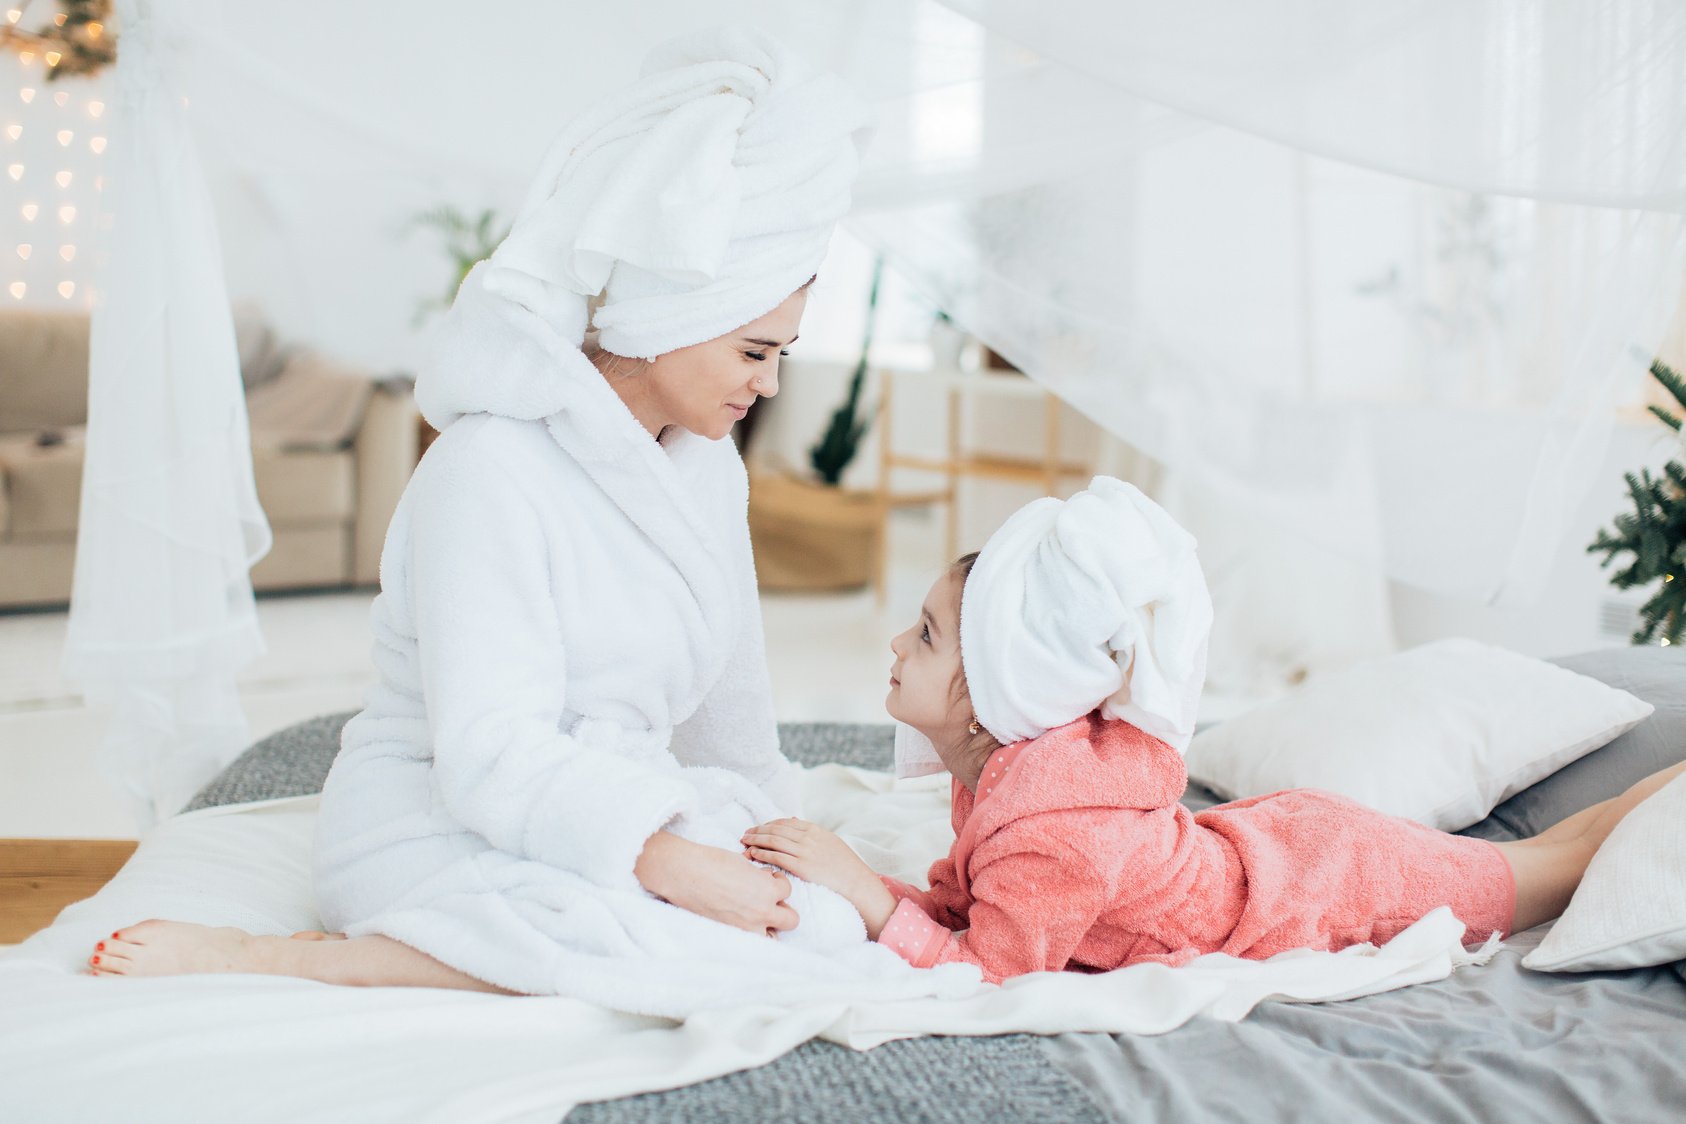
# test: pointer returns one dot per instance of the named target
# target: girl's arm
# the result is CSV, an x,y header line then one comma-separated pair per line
x,y
1030,911
945,902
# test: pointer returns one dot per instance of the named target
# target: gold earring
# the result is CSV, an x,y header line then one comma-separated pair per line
x,y
973,728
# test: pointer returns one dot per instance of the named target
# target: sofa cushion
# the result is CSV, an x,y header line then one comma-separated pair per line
x,y
313,403
43,369
304,485
43,485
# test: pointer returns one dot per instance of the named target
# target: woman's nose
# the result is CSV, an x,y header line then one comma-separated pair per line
x,y
767,385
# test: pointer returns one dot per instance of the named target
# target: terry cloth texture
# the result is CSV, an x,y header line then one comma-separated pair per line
x,y
1075,852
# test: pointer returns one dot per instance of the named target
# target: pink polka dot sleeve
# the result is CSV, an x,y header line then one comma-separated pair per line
x,y
911,934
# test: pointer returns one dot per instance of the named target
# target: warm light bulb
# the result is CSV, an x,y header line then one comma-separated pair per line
x,y
61,98
66,136
95,108
63,179
14,15
26,57
29,211
67,214
95,29
59,19
53,58
97,144
15,171
67,289
27,94
24,251
17,289
14,131
68,253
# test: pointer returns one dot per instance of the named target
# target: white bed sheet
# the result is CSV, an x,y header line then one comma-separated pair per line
x,y
74,1047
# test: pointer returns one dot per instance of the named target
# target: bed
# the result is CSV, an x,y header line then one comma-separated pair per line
x,y
1489,1043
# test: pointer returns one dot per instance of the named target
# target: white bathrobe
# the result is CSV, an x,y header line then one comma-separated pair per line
x,y
570,652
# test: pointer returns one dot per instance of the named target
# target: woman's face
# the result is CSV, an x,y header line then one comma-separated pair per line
x,y
709,386
928,665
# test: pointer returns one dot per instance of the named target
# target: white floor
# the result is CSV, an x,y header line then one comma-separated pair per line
x,y
829,656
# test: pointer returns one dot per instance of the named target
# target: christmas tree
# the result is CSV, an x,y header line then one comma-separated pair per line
x,y
1654,532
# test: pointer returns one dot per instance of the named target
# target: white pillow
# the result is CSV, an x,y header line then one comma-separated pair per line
x,y
1630,908
1439,734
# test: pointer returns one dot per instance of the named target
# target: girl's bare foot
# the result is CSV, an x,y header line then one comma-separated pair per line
x,y
173,948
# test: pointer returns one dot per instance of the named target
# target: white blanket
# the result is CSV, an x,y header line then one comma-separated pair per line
x,y
76,1048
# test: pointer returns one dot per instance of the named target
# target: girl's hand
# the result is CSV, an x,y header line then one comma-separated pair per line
x,y
809,851
715,883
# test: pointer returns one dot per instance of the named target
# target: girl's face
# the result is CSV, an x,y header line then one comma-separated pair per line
x,y
922,680
708,387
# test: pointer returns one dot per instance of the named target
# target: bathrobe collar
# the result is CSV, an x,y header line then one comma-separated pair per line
x,y
494,354
651,483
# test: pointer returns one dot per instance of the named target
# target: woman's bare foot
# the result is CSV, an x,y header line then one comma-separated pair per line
x,y
169,948
173,948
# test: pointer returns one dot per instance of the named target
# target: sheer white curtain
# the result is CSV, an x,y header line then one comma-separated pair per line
x,y
1379,275
162,616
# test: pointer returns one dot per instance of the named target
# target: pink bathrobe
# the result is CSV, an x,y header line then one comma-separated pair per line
x,y
1075,853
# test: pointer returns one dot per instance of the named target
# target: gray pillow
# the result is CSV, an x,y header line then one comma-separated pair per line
x,y
1655,674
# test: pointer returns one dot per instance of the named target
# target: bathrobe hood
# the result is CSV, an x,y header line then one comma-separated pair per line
x,y
1094,762
493,355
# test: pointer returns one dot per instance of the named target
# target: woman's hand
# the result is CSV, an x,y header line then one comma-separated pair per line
x,y
715,883
809,851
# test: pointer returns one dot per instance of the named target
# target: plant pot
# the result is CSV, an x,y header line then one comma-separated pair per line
x,y
813,537
948,343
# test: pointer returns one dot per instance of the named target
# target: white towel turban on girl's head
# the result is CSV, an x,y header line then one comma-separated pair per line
x,y
1093,602
695,200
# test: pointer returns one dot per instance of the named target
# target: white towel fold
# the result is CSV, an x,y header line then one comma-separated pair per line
x,y
695,200
1097,601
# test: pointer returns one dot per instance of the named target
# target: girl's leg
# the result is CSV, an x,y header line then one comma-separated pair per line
x,y
1549,866
169,948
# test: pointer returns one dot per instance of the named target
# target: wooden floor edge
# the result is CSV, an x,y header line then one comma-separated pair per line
x,y
39,877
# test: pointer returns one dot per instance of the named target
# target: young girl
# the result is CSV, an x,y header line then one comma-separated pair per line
x,y
1055,674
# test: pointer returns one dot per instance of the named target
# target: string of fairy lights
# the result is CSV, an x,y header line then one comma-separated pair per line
x,y
53,139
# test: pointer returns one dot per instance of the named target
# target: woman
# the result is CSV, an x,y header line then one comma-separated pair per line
x,y
568,599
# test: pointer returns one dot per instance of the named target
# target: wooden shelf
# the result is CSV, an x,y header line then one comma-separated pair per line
x,y
1047,470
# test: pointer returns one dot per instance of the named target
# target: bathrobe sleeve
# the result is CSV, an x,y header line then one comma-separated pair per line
x,y
1036,892
945,902
494,675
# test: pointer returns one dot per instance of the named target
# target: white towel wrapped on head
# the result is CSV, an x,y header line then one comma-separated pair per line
x,y
695,200
1097,601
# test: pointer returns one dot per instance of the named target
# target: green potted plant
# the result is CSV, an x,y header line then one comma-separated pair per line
x,y
1654,532
469,240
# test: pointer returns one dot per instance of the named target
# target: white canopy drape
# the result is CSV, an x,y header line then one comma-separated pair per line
x,y
1386,274
162,616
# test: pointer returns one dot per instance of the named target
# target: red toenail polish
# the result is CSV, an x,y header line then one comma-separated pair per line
x,y
96,960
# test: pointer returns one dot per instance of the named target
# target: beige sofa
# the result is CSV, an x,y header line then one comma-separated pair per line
x,y
332,448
